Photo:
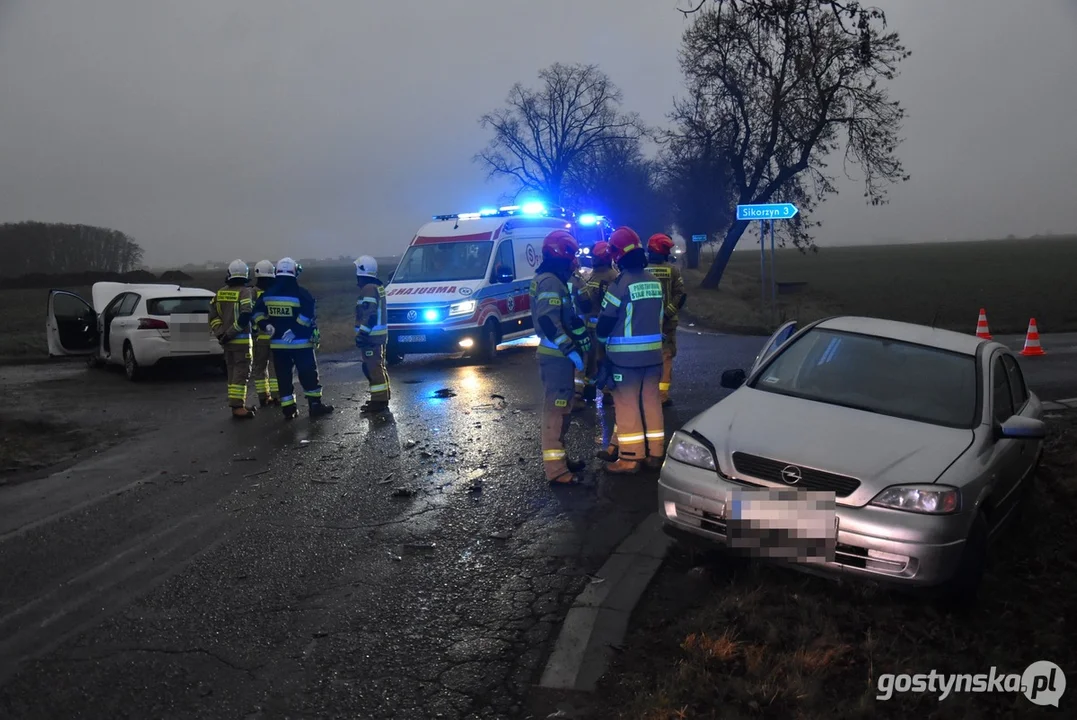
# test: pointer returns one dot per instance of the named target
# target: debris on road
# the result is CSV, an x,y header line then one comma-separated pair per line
x,y
495,396
244,459
410,444
255,474
403,492
388,479
321,481
304,443
445,393
501,535
419,546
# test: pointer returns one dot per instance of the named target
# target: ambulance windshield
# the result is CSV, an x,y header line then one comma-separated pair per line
x,y
436,262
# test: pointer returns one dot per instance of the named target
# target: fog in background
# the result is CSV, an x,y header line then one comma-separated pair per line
x,y
261,128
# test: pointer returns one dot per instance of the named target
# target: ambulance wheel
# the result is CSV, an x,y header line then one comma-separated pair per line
x,y
130,365
487,350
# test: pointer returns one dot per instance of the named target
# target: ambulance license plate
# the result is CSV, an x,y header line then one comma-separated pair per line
x,y
411,338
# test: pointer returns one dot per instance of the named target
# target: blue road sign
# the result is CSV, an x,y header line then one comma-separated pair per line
x,y
776,211
699,238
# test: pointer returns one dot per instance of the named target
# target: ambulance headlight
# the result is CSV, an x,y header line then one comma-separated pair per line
x,y
465,307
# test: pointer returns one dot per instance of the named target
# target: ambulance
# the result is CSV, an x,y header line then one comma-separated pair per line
x,y
463,284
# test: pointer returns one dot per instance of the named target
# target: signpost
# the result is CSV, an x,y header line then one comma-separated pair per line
x,y
699,238
764,213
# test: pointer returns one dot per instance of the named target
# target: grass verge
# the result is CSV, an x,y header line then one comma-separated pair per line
x,y
726,639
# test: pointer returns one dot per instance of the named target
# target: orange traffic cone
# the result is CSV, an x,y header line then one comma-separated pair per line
x,y
982,331
1032,340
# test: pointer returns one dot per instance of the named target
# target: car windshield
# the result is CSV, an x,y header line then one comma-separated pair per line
x,y
167,306
440,262
876,375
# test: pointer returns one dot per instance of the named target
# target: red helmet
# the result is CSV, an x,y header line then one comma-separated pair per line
x,y
560,245
660,244
602,252
624,240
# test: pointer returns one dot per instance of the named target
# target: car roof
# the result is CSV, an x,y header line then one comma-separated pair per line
x,y
905,332
104,292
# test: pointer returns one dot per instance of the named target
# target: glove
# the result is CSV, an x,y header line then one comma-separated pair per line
x,y
269,330
288,336
222,339
576,360
604,376
584,343
316,338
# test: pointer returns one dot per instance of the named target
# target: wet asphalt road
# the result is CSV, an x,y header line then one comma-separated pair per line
x,y
208,568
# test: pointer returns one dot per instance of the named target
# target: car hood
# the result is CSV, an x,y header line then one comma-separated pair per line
x,y
431,292
878,450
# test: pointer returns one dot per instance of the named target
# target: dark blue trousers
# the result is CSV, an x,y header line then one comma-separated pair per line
x,y
304,363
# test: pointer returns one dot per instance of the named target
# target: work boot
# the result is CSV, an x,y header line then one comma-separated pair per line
x,y
291,412
608,455
654,463
668,402
607,399
373,407
242,413
590,392
318,409
623,467
265,401
575,464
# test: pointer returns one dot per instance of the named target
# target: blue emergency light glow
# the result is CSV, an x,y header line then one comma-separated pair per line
x,y
488,211
588,219
533,208
430,315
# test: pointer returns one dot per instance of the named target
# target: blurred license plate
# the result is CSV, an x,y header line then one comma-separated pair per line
x,y
411,338
188,332
783,524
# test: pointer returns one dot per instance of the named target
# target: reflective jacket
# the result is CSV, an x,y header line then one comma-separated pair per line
x,y
286,306
260,337
553,313
635,307
230,314
371,323
673,288
590,299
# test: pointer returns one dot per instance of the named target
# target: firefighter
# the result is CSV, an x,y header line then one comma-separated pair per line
x,y
265,374
230,320
563,343
371,333
630,326
286,312
590,304
577,286
660,247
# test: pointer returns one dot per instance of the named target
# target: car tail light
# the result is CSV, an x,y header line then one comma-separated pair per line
x,y
151,324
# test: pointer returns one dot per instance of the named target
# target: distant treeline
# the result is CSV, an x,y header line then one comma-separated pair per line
x,y
43,280
55,248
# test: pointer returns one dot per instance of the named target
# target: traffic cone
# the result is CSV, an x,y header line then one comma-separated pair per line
x,y
982,331
1032,340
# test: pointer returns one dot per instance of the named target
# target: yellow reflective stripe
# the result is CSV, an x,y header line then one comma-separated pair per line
x,y
228,295
656,435
552,455
560,403
663,386
379,388
612,299
543,350
633,438
548,296
641,347
562,338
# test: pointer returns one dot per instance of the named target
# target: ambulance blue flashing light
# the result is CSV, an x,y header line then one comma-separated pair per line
x,y
533,208
487,211
588,219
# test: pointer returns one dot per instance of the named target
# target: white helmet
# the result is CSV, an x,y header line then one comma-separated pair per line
x,y
287,267
264,269
366,266
238,269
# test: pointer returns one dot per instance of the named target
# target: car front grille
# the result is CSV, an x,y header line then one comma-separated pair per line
x,y
818,480
701,519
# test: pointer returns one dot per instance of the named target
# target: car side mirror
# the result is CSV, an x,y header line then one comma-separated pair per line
x,y
503,276
1022,428
733,379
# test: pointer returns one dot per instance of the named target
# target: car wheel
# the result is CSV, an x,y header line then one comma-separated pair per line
x,y
487,350
130,365
960,591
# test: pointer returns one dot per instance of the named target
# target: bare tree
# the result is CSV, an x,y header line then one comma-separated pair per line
x,y
543,136
619,180
783,84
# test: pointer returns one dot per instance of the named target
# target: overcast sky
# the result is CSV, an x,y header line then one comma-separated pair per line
x,y
209,129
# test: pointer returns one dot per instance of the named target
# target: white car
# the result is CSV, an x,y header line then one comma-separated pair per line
x,y
136,326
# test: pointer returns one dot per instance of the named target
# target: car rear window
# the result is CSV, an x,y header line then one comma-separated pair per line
x,y
167,306
877,375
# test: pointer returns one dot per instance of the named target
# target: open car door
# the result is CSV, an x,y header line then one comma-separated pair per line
x,y
774,342
71,325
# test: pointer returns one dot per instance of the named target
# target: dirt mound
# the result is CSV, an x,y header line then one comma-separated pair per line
x,y
43,280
